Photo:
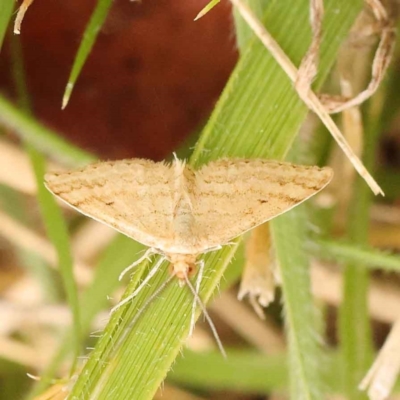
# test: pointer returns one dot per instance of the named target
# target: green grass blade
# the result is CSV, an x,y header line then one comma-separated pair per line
x,y
242,371
57,232
207,9
247,372
14,206
355,254
89,37
258,114
40,137
355,333
388,178
288,232
56,227
6,9
298,304
244,34
119,253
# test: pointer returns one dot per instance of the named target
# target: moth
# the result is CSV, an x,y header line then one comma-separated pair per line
x,y
180,212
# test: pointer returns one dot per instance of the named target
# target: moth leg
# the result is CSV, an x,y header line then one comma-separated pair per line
x,y
215,248
152,272
146,256
206,315
197,289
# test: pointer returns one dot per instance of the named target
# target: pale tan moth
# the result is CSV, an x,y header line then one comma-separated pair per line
x,y
180,212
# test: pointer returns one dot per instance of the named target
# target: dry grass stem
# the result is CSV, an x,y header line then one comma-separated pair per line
x,y
385,236
386,213
309,97
14,316
168,392
24,291
382,376
90,239
24,238
15,169
13,350
383,299
341,188
20,15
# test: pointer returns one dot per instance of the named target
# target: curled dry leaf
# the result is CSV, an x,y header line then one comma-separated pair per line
x,y
380,64
259,273
309,64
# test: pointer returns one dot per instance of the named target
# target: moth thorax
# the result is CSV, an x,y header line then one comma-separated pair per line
x,y
181,265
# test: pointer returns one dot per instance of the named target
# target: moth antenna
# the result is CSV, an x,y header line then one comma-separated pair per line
x,y
146,256
152,272
144,307
206,315
198,283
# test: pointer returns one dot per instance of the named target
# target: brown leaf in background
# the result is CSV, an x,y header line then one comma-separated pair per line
x,y
151,79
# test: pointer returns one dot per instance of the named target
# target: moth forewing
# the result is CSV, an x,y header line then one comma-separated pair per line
x,y
236,195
